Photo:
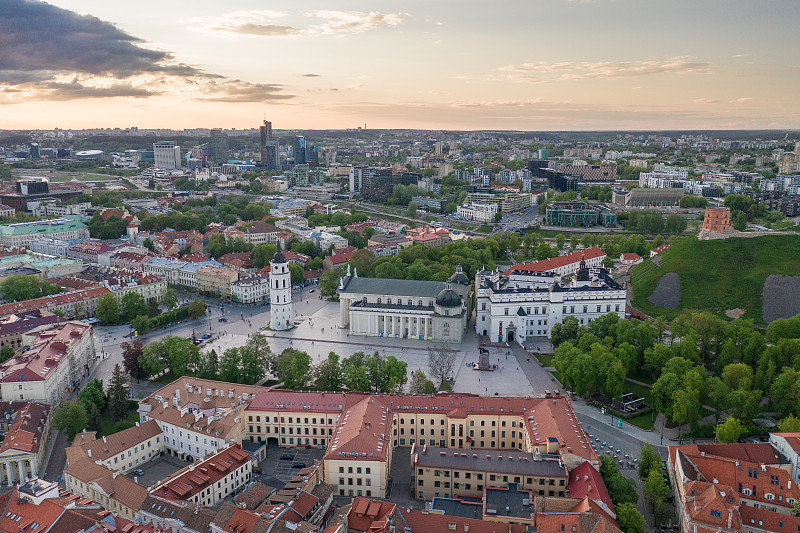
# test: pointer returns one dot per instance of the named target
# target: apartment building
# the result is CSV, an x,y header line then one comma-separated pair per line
x,y
563,265
209,481
121,452
442,472
177,516
88,251
50,369
129,261
216,280
262,232
251,290
74,304
115,492
13,327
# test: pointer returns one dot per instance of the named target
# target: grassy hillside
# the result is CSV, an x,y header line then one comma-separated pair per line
x,y
718,275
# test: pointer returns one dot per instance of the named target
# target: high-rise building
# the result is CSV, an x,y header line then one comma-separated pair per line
x,y
269,148
167,155
299,150
219,146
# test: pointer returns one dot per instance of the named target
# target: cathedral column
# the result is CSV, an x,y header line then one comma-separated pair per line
x,y
9,474
34,470
21,467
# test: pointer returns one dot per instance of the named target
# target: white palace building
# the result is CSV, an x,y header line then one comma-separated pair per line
x,y
521,304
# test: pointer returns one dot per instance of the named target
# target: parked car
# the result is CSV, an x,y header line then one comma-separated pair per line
x,y
287,457
298,465
139,472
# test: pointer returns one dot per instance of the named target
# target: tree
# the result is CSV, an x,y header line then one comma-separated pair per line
x,y
107,310
209,362
297,275
675,224
95,421
148,243
412,210
686,407
560,238
655,486
6,353
141,324
196,309
170,299
354,372
229,365
26,287
70,418
664,392
648,458
441,362
118,394
252,368
620,488
729,431
262,254
790,424
131,354
92,394
329,283
420,384
386,374
629,519
740,221
293,368
328,374
737,376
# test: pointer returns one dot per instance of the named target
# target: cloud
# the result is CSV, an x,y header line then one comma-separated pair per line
x,y
579,70
311,75
50,53
742,100
704,101
264,23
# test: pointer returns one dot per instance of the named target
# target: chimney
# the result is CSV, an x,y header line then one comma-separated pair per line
x,y
104,439
89,451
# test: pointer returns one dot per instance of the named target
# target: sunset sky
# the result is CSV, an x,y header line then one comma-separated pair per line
x,y
432,64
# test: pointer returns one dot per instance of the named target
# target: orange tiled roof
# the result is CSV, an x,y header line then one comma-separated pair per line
x,y
556,262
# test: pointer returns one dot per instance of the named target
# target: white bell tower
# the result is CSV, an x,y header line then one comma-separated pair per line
x,y
280,293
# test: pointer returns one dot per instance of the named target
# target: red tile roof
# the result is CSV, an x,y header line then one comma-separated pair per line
x,y
630,256
195,478
339,259
22,515
364,430
26,430
370,515
47,351
48,302
424,522
584,481
556,262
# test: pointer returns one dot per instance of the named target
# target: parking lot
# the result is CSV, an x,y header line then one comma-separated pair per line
x,y
157,470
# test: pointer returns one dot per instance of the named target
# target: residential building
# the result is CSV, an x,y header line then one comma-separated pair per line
x,y
252,289
733,487
389,239
447,473
516,306
216,280
337,260
88,250
14,326
123,451
22,452
261,233
7,212
209,481
630,259
193,432
430,204
324,240
53,365
74,304
22,234
508,202
177,516
115,492
239,261
48,246
425,310
129,261
148,286
429,237
167,155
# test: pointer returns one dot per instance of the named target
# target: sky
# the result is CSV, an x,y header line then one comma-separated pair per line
x,y
423,64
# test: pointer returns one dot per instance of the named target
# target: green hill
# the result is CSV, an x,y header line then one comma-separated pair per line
x,y
717,275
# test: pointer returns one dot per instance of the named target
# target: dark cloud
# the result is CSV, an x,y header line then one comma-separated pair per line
x,y
36,36
311,75
42,45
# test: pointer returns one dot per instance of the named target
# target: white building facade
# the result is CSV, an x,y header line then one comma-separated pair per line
x,y
280,293
524,305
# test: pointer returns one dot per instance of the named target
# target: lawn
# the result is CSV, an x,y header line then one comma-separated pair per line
x,y
638,390
108,426
484,229
165,379
718,275
545,358
644,421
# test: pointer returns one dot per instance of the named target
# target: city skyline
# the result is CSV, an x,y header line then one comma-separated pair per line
x,y
548,65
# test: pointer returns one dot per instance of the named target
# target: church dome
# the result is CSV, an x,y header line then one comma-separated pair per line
x,y
583,272
459,277
279,257
448,298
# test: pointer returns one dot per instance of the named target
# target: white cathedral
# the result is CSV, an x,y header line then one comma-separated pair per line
x,y
280,293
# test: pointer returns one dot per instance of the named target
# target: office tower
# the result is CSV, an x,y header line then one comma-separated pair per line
x,y
269,148
167,155
299,150
219,146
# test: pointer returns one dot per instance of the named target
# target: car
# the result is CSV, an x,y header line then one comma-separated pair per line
x,y
604,443
617,451
206,336
312,290
139,472
298,465
287,457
